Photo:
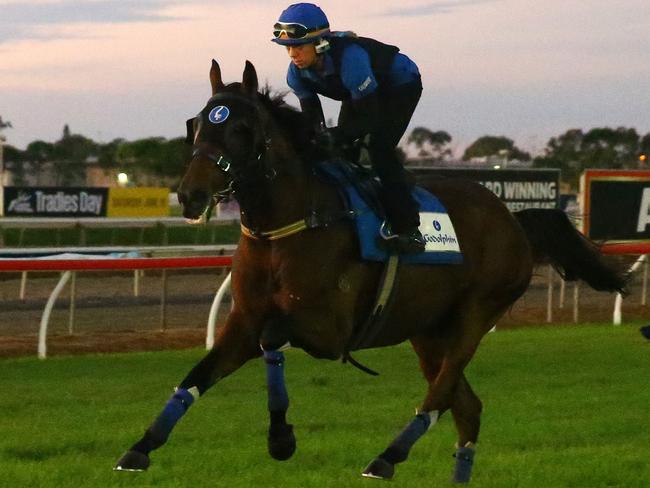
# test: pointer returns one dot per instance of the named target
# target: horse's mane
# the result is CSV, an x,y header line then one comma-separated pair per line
x,y
293,122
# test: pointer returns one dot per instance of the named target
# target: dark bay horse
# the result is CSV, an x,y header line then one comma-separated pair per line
x,y
306,285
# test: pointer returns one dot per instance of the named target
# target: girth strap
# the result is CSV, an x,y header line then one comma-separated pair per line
x,y
366,334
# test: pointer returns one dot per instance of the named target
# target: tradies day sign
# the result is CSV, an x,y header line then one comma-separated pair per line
x,y
54,202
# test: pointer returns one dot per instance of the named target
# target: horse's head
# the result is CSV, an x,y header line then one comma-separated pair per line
x,y
229,141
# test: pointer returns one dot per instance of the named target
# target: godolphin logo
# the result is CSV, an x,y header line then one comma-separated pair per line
x,y
219,114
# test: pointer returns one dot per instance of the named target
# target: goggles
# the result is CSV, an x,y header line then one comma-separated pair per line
x,y
294,30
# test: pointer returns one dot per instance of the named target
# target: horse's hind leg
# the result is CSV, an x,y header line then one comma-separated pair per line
x,y
383,467
443,371
233,347
466,410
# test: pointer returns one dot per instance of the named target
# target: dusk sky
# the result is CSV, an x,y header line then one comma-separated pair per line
x,y
526,69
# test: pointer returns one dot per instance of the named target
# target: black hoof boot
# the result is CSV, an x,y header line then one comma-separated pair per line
x,y
464,462
132,461
380,469
281,442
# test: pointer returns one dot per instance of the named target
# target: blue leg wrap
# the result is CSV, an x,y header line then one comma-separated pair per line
x,y
464,462
278,397
399,449
174,409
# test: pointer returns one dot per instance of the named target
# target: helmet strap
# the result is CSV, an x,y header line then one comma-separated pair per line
x,y
322,45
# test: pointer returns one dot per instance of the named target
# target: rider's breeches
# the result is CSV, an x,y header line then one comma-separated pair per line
x,y
396,111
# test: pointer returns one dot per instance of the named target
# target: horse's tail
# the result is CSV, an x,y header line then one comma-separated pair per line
x,y
554,240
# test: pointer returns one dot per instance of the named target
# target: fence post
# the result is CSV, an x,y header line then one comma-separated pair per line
x,y
576,299
73,296
214,312
163,301
23,285
549,304
644,290
45,319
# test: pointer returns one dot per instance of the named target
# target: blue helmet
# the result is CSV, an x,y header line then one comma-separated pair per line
x,y
300,23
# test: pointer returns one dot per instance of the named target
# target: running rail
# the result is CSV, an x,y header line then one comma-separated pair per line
x,y
67,266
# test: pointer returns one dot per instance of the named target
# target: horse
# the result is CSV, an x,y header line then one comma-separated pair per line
x,y
298,279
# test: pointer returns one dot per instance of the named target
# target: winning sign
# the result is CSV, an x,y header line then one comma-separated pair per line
x,y
517,188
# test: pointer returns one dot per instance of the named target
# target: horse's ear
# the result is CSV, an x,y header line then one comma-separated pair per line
x,y
215,77
249,81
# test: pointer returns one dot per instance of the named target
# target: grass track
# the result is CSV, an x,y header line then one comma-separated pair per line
x,y
563,406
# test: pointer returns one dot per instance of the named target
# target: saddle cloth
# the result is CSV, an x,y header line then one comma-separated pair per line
x,y
441,242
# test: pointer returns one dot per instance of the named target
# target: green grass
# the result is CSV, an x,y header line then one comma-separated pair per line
x,y
200,234
564,406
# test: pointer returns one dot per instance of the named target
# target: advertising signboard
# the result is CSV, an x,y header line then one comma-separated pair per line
x,y
616,205
138,202
54,202
517,188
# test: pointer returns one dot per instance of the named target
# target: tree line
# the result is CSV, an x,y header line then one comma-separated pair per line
x,y
571,152
157,160
148,161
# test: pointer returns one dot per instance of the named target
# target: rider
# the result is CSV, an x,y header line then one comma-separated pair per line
x,y
379,89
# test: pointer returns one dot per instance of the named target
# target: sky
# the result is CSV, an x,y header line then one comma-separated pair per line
x,y
525,69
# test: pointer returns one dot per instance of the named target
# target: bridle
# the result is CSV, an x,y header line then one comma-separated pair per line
x,y
224,164
235,178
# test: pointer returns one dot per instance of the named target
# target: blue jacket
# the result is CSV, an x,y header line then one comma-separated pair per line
x,y
354,68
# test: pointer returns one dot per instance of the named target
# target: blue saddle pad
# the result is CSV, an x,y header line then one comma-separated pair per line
x,y
436,227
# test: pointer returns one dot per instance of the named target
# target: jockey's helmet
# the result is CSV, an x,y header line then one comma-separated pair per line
x,y
300,23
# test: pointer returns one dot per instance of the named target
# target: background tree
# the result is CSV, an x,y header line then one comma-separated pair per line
x,y
154,160
4,124
70,155
494,146
430,144
564,153
37,155
14,161
601,147
107,154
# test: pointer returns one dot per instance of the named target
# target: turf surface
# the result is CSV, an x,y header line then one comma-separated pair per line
x,y
563,406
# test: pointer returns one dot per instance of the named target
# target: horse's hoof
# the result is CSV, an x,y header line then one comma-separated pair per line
x,y
132,461
282,442
464,463
379,469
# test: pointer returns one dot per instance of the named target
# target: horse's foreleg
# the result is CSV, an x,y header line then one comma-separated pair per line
x,y
274,340
232,349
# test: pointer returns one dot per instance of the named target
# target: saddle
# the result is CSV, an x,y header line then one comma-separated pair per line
x,y
360,192
363,180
